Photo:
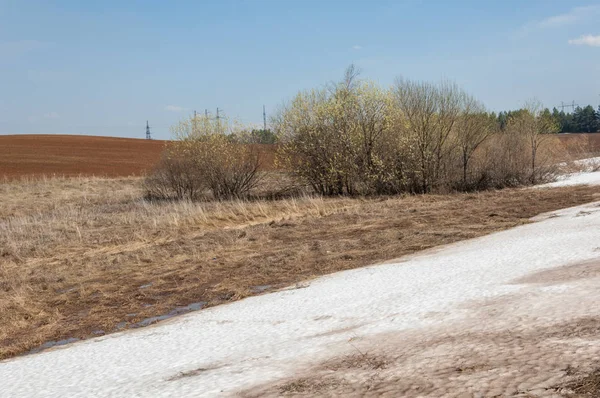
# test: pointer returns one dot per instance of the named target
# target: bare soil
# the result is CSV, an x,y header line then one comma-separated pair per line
x,y
73,155
80,155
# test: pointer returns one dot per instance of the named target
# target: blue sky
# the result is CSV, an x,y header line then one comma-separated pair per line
x,y
103,68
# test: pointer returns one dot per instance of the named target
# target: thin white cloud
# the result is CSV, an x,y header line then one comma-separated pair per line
x,y
51,115
586,40
356,47
48,115
175,108
575,15
558,20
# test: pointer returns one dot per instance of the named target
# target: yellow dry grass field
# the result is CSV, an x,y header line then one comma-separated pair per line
x,y
80,257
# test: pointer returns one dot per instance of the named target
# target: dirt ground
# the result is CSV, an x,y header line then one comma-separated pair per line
x,y
79,155
501,349
84,257
73,155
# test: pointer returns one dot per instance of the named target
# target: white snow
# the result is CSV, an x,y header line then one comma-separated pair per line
x,y
586,177
267,337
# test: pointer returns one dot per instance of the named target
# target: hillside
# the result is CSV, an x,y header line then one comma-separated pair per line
x,y
22,155
72,155
26,155
506,312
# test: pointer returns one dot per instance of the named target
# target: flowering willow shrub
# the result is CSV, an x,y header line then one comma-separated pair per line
x,y
338,138
355,138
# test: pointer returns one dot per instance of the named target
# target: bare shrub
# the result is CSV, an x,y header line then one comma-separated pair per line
x,y
428,114
205,156
537,126
502,161
473,129
230,169
577,156
174,177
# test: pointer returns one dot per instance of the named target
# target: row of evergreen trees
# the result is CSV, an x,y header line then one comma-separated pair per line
x,y
581,120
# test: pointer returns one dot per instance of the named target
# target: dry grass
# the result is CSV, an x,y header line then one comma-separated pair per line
x,y
583,386
358,361
85,256
309,386
581,145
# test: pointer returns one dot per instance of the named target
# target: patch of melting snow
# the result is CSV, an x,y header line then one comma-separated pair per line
x,y
177,311
260,288
121,325
51,344
125,324
555,289
583,178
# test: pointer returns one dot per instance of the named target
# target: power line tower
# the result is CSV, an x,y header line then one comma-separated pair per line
x,y
148,134
572,105
264,119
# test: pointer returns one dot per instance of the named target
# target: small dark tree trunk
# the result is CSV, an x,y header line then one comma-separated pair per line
x,y
465,164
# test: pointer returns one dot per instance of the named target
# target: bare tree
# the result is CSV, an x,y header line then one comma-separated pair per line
x,y
474,127
417,105
428,113
537,126
449,106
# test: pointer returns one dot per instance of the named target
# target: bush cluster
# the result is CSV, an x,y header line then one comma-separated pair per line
x,y
354,137
204,161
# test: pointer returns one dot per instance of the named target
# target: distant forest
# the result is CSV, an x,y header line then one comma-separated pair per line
x,y
581,120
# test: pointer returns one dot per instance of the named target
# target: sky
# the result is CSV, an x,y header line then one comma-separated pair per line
x,y
105,67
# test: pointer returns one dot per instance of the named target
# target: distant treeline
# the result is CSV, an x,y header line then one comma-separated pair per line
x,y
581,120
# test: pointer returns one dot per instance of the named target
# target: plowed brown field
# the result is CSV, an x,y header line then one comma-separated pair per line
x,y
589,143
72,155
69,155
